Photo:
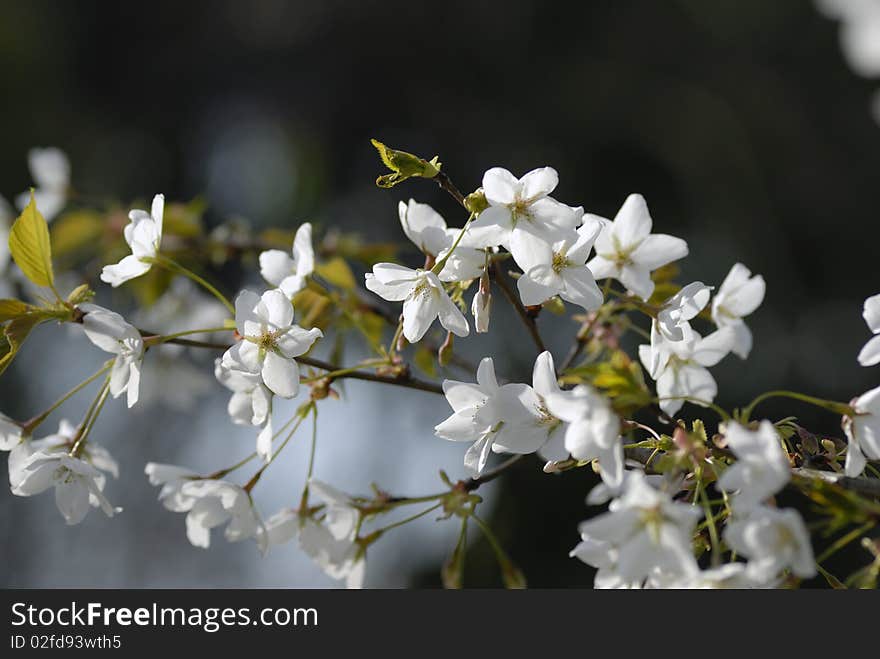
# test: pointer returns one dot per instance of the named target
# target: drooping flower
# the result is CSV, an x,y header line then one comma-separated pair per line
x,y
627,251
144,235
672,322
427,230
772,540
681,372
332,541
423,297
289,271
511,418
558,268
78,485
870,353
592,429
251,400
109,331
50,170
761,468
208,503
647,530
270,340
863,432
523,205
739,295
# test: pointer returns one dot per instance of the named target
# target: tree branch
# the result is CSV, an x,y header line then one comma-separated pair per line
x,y
528,321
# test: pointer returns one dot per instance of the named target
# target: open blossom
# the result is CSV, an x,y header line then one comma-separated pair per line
x,y
863,432
681,371
592,429
208,503
739,295
647,531
522,205
870,353
143,234
627,251
423,296
50,170
109,331
772,540
761,468
251,400
558,268
270,340
724,577
332,542
78,484
509,418
672,322
289,271
427,230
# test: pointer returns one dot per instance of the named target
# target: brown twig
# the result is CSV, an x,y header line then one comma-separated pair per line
x,y
528,321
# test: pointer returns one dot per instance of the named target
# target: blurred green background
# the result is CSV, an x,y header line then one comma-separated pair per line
x,y
737,119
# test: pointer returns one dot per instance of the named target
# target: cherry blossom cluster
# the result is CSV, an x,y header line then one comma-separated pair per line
x,y
658,508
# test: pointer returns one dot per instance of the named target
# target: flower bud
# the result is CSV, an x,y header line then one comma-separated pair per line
x,y
482,305
476,202
444,354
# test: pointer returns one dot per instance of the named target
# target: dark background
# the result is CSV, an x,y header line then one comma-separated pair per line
x,y
738,120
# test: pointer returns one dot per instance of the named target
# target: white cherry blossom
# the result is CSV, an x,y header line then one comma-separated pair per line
x,y
78,485
50,170
627,251
681,371
109,331
672,322
251,400
144,236
423,297
427,230
863,432
208,503
10,433
289,271
739,295
592,429
870,353
270,340
332,541
558,268
523,206
761,468
772,540
647,530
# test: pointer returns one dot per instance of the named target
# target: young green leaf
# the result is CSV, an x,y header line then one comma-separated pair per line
x,y
30,247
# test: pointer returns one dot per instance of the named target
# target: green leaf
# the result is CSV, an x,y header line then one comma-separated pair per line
x,y
337,272
404,165
30,247
14,334
11,309
76,232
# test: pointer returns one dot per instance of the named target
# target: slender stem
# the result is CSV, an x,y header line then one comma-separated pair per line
x,y
31,425
528,321
89,419
174,266
442,179
314,442
155,339
438,267
710,523
473,483
830,405
843,541
245,460
406,520
720,411
869,486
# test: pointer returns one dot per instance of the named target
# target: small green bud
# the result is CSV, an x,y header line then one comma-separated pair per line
x,y
555,306
404,165
476,202
80,294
